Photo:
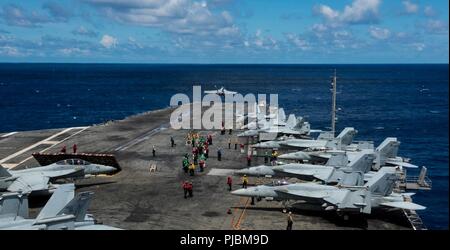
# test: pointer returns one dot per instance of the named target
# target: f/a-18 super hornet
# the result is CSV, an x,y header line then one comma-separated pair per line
x,y
221,92
63,211
292,126
386,155
345,138
376,193
336,171
39,179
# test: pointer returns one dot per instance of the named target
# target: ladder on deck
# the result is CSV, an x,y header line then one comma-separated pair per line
x,y
414,219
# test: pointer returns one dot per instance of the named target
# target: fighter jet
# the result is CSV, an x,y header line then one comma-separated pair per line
x,y
39,179
292,126
337,170
343,139
376,193
221,92
63,211
386,154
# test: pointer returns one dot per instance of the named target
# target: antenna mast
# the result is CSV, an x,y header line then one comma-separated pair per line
x,y
333,105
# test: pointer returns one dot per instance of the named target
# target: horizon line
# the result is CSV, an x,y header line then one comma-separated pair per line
x,y
194,63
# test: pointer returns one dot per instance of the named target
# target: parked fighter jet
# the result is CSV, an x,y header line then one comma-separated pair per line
x,y
63,211
221,91
336,171
39,179
343,139
376,193
292,126
386,154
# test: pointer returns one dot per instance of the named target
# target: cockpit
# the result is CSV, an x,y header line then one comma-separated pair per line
x,y
73,162
275,183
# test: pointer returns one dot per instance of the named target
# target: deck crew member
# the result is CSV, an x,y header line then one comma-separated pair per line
x,y
229,182
244,181
219,154
74,148
290,221
153,151
185,165
185,188
190,189
191,169
172,142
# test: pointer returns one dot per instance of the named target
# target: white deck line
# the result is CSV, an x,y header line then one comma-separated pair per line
x,y
45,141
8,134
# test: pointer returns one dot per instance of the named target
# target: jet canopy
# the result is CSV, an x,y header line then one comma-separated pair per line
x,y
277,183
73,162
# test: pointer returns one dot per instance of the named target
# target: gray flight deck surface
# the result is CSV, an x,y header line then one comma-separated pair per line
x,y
141,199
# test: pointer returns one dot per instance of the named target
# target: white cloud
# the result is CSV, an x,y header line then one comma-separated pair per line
x,y
186,17
409,7
434,26
9,51
261,41
108,41
379,33
429,11
297,41
73,51
418,46
359,12
82,31
327,12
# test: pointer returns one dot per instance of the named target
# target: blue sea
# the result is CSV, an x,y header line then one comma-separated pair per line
x,y
409,102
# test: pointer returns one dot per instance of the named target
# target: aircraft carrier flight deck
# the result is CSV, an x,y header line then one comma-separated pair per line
x,y
147,193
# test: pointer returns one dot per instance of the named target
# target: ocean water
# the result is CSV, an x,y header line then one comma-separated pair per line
x,y
409,102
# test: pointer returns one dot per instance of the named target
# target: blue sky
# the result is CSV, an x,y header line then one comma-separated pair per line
x,y
225,31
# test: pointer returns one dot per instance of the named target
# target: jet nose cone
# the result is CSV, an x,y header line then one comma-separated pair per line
x,y
108,169
242,192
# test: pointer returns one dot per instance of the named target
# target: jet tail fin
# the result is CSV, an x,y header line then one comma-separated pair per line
x,y
78,206
338,159
362,163
57,202
4,172
346,136
387,149
382,183
281,115
291,121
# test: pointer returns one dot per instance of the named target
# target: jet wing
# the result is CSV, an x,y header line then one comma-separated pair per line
x,y
29,182
303,144
227,92
302,194
320,173
402,164
403,205
306,191
96,227
289,131
211,92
